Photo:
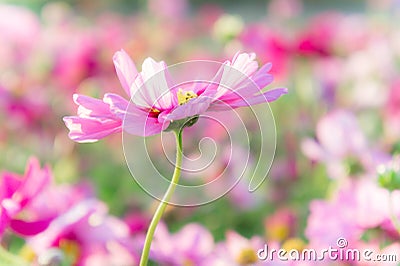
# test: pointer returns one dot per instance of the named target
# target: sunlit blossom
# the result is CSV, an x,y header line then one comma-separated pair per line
x,y
155,105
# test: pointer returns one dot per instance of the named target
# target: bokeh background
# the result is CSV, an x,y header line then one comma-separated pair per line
x,y
336,169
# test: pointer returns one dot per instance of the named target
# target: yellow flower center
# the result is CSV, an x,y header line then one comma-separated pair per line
x,y
294,243
70,248
247,256
188,262
185,96
278,232
27,253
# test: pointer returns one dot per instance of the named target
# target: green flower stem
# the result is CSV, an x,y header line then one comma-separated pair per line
x,y
163,204
393,217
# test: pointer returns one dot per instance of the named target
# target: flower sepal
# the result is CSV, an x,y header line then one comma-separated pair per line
x,y
179,125
389,175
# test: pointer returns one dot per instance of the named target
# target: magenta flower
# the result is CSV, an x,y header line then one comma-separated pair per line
x,y
269,45
86,233
25,109
17,194
155,103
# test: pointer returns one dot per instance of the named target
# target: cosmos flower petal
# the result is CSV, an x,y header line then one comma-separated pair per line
x,y
29,228
196,237
3,220
262,78
9,183
241,77
193,107
155,102
125,69
241,101
136,121
91,130
153,86
245,63
143,126
268,96
117,104
34,182
89,107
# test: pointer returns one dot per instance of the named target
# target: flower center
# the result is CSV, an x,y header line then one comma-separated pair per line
x,y
278,232
153,112
247,256
70,248
293,243
185,96
27,253
188,262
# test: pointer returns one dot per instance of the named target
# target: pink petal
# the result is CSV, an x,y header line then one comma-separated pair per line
x,y
245,63
194,107
91,130
235,243
29,228
65,223
9,184
240,100
35,180
313,150
117,104
138,125
234,81
268,96
4,220
126,70
135,120
91,107
196,240
339,133
153,86
262,78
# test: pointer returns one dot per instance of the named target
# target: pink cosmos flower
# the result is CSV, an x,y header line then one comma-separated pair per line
x,y
19,28
155,103
338,220
17,193
330,34
24,108
358,206
238,250
281,225
269,44
85,233
342,145
190,246
318,38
